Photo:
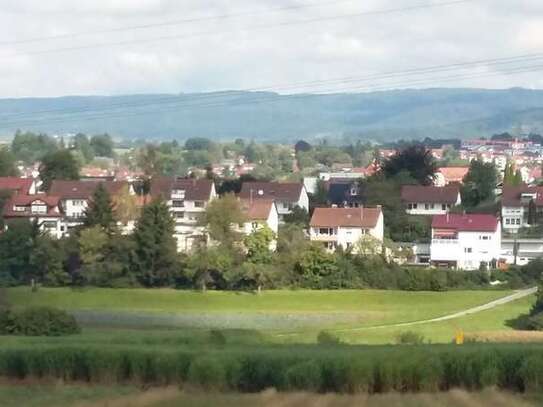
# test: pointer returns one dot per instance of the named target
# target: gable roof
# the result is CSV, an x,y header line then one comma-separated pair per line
x,y
345,217
340,192
83,189
511,196
466,223
282,191
417,193
195,189
16,184
258,209
51,202
453,174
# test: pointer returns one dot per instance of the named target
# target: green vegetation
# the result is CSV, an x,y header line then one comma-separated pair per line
x,y
37,321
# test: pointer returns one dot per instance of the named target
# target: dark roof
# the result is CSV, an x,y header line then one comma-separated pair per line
x,y
339,193
282,191
19,185
346,217
466,223
418,193
52,203
83,189
511,195
195,189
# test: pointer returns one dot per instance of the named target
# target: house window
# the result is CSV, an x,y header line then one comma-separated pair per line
x,y
353,191
178,192
518,221
78,202
444,207
178,204
484,237
349,245
19,208
507,221
199,204
179,215
467,250
254,225
39,209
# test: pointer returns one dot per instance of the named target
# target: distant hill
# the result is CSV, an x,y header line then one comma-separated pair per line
x,y
384,116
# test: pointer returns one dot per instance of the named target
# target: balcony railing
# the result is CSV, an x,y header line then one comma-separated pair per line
x,y
445,241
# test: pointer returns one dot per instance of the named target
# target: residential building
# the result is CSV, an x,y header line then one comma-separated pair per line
x,y
187,199
465,241
42,209
450,175
286,195
260,213
521,251
430,200
345,193
74,197
335,227
522,206
23,186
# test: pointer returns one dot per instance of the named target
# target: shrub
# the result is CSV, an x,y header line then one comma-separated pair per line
x,y
37,321
409,338
217,338
305,375
208,372
326,338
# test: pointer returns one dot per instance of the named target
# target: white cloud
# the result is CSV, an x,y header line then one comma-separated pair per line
x,y
244,51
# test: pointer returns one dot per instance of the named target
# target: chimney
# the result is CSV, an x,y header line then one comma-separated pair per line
x,y
251,196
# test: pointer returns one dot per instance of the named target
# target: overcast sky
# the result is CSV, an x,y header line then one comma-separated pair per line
x,y
257,46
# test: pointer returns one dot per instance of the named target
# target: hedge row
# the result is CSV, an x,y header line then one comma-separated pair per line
x,y
312,368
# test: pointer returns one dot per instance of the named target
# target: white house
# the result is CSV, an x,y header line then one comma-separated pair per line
x,y
45,210
465,241
187,199
286,195
74,197
430,200
517,203
260,213
345,226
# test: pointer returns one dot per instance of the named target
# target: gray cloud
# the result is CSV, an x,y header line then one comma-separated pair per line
x,y
245,53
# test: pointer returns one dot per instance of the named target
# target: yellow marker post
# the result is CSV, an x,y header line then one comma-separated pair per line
x,y
459,339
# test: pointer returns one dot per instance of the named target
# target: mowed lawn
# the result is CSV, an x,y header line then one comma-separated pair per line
x,y
365,307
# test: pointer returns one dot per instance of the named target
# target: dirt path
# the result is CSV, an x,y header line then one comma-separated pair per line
x,y
492,304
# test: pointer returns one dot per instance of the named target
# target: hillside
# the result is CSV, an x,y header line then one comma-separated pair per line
x,y
268,116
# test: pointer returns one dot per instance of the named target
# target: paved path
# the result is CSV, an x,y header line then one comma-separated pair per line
x,y
492,304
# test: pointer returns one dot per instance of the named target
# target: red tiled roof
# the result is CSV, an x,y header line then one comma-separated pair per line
x,y
52,203
195,189
282,191
466,223
453,174
19,185
257,209
346,217
417,193
83,189
511,195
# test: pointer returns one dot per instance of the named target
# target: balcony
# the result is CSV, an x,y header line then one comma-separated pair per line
x,y
324,238
445,241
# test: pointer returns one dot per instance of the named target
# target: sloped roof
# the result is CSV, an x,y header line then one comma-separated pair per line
x,y
430,194
19,185
27,200
257,209
340,192
83,189
345,217
195,189
466,223
453,174
283,191
511,195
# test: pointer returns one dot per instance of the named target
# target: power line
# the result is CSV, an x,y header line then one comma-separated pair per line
x,y
268,99
166,100
175,22
254,27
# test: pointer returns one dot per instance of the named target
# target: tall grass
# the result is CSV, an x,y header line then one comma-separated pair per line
x,y
341,368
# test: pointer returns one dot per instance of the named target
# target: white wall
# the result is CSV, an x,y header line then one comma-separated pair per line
x,y
510,214
74,208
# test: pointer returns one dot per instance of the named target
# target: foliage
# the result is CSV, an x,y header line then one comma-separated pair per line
x,y
37,321
415,160
479,183
258,245
302,145
221,218
207,266
100,210
154,259
298,216
409,338
82,144
30,148
7,163
102,145
125,206
58,165
511,177
16,245
326,338
47,262
315,266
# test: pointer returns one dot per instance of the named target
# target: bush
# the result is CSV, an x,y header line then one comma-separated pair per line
x,y
326,338
37,321
409,338
216,337
305,375
208,372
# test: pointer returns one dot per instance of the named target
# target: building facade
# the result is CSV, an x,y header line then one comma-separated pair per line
x,y
430,200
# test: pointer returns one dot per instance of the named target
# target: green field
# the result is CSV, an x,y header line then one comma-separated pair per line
x,y
51,395
356,316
